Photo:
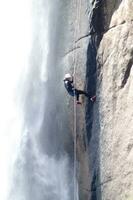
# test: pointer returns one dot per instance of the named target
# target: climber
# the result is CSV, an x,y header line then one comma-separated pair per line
x,y
68,83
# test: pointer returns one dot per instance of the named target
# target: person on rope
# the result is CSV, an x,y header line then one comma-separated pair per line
x,y
68,83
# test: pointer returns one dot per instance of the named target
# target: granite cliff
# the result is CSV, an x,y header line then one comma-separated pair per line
x,y
95,37
110,144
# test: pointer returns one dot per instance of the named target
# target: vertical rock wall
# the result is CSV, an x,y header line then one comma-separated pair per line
x,y
111,138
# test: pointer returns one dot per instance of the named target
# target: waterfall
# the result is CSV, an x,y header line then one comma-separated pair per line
x,y
34,164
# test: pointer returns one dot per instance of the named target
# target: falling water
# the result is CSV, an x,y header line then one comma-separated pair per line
x,y
33,162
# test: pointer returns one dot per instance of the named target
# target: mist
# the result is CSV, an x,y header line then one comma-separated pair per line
x,y
35,145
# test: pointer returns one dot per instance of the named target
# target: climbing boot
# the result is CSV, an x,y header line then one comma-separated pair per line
x,y
93,99
78,102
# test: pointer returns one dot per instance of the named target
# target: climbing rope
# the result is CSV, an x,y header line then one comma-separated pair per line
x,y
75,133
77,7
75,124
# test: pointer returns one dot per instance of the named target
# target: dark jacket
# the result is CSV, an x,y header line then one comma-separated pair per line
x,y
69,87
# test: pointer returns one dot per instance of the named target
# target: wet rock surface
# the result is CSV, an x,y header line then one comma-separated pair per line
x,y
68,49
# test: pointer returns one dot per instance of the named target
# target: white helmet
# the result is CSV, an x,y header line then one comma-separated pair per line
x,y
68,77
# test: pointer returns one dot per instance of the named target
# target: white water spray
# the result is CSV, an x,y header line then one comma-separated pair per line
x,y
26,173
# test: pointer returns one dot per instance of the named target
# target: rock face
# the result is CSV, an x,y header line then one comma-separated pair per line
x,y
94,41
111,136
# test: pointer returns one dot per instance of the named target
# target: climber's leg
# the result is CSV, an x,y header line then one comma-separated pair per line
x,y
77,96
91,98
